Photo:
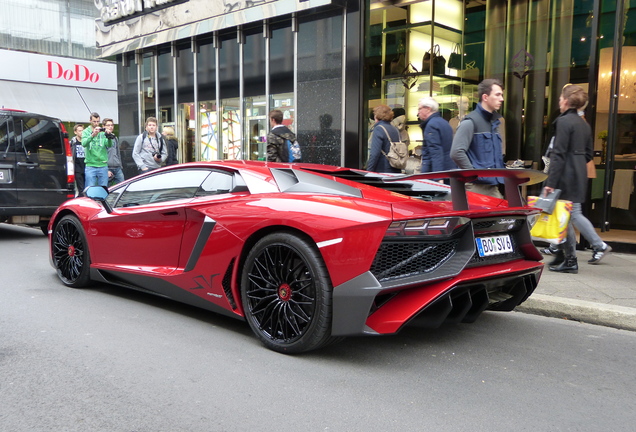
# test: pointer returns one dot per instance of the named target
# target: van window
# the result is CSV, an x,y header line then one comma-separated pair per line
x,y
4,133
34,135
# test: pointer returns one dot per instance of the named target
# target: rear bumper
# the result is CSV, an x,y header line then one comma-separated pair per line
x,y
360,306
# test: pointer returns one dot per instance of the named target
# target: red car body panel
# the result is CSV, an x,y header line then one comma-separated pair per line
x,y
164,248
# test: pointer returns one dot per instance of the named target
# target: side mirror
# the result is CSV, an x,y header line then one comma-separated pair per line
x,y
99,194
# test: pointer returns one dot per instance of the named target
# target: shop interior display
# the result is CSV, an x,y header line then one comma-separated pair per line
x,y
421,58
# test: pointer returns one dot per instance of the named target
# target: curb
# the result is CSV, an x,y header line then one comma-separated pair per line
x,y
619,317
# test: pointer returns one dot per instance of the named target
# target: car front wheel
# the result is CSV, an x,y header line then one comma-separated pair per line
x,y
287,294
70,252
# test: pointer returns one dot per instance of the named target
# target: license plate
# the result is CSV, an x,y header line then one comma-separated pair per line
x,y
5,176
496,245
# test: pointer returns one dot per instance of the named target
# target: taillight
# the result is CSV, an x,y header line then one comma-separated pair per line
x,y
70,165
433,227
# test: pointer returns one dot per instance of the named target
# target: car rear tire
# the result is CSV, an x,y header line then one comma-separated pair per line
x,y
70,253
287,294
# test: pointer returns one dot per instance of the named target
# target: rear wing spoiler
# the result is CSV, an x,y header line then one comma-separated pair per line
x,y
513,178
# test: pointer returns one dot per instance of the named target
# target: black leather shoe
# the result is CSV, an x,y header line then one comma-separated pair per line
x,y
559,258
569,265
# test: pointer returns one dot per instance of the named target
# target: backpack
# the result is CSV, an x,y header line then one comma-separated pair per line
x,y
293,149
398,153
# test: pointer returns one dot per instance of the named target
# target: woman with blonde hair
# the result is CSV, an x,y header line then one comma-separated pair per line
x,y
172,143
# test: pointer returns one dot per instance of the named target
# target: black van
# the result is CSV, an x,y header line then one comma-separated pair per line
x,y
36,168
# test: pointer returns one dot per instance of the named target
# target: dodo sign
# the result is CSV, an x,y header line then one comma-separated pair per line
x,y
77,73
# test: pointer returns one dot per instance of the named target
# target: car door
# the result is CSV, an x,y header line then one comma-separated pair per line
x,y
41,177
145,228
8,193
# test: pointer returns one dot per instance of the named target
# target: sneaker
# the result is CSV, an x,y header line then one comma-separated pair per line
x,y
550,250
597,255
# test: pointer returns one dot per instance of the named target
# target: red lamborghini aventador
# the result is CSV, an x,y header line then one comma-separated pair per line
x,y
306,253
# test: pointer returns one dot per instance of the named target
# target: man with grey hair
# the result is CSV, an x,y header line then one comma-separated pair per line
x,y
438,137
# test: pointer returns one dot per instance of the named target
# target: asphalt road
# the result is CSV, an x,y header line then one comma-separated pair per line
x,y
106,359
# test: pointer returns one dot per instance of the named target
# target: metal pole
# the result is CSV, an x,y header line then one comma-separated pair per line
x,y
613,111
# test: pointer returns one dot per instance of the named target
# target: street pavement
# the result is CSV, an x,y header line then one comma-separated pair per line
x,y
603,294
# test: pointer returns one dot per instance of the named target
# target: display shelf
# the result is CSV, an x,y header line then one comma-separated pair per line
x,y
436,78
419,74
441,31
407,43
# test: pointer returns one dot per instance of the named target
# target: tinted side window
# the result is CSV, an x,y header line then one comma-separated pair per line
x,y
4,133
163,187
34,135
217,183
113,195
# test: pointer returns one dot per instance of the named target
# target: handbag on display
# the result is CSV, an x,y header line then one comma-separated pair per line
x,y
397,64
452,89
471,72
409,78
455,60
434,57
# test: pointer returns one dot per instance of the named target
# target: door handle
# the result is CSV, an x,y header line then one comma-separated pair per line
x,y
29,164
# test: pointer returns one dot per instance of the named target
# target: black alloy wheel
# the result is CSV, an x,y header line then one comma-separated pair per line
x,y
70,252
287,294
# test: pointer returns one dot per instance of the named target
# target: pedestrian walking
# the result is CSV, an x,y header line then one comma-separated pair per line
x,y
570,151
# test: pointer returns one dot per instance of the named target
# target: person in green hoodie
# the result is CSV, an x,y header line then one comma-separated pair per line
x,y
96,146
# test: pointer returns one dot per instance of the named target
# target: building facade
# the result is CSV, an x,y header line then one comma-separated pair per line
x,y
49,61
215,69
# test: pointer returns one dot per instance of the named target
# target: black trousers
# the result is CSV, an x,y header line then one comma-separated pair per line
x,y
79,175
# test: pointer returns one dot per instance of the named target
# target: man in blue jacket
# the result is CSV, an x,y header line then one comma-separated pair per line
x,y
438,137
477,143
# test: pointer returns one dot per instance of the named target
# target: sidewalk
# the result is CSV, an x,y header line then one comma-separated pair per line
x,y
603,294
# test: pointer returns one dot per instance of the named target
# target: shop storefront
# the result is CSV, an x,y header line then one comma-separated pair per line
x,y
214,70
215,78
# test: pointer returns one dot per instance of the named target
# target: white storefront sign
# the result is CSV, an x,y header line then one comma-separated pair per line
x,y
59,87
46,69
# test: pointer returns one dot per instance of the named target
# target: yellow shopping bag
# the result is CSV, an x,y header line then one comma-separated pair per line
x,y
552,228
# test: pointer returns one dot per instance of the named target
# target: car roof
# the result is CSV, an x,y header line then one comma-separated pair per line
x,y
21,113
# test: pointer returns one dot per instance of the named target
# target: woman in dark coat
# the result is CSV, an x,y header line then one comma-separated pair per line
x,y
380,144
172,143
571,149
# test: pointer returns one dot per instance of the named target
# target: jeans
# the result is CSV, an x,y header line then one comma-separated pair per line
x,y
585,227
118,175
96,176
